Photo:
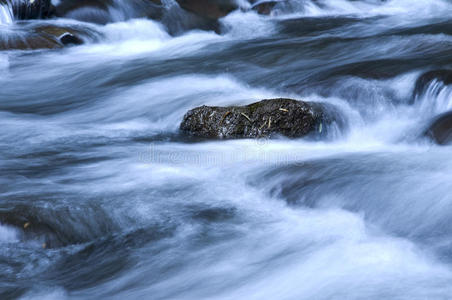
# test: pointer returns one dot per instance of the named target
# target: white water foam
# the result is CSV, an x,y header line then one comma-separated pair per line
x,y
8,234
6,14
418,9
437,99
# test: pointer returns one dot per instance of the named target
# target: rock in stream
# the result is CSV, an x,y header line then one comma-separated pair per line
x,y
266,118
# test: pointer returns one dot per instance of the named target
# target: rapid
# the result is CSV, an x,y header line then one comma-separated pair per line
x,y
121,205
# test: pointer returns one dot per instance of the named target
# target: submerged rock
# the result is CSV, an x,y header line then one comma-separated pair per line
x,y
264,7
31,227
424,82
29,42
196,14
66,6
42,37
177,21
91,11
287,117
178,16
65,35
440,130
212,9
107,11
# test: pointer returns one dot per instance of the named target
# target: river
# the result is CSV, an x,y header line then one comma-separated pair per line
x,y
123,206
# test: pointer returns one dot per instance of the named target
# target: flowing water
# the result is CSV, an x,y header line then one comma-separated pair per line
x,y
116,204
6,14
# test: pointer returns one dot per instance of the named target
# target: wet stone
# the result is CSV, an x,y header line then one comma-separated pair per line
x,y
267,118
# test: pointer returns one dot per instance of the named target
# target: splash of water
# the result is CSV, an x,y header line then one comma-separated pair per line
x,y
6,13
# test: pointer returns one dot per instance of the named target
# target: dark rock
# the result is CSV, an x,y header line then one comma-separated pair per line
x,y
98,11
26,9
425,80
177,21
31,227
264,8
65,35
440,130
212,9
266,118
91,11
67,6
42,37
70,39
54,227
188,15
29,42
196,14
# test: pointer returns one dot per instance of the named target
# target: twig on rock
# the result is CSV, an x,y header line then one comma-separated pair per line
x,y
248,118
224,117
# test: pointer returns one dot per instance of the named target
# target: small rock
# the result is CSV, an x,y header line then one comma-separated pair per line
x,y
70,39
440,130
264,8
443,76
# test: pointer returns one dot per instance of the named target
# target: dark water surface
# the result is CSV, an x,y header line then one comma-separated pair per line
x,y
91,159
